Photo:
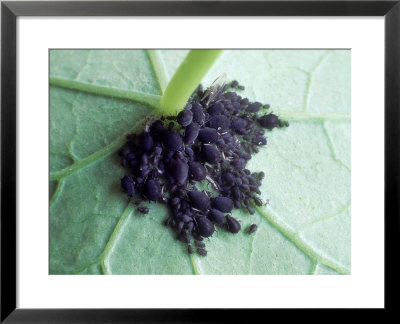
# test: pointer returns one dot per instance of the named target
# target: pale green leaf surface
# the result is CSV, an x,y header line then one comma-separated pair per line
x,y
305,227
121,69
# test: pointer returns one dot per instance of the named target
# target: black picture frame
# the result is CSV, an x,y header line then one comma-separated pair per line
x,y
10,10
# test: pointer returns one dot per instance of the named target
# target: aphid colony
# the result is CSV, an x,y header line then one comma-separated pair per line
x,y
211,140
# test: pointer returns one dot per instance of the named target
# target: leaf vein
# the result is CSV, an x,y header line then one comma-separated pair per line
x,y
121,74
159,68
55,195
145,98
321,219
312,116
313,268
86,266
87,63
332,149
194,265
114,237
310,77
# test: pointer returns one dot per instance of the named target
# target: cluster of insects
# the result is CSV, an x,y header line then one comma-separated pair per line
x,y
209,142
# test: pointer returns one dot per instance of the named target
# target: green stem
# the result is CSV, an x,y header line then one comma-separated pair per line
x,y
186,79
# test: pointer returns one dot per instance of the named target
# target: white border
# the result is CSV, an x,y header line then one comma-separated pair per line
x,y
363,288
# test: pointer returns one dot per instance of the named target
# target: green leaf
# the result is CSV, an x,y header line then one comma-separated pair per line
x,y
98,96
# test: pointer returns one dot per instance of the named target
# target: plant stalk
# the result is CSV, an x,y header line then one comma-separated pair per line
x,y
186,79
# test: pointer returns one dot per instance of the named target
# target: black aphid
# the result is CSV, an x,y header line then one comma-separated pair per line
x,y
202,252
185,117
208,135
234,84
216,109
217,216
174,201
200,244
172,140
197,171
223,204
269,121
178,169
259,140
179,228
250,210
168,221
128,185
146,141
258,201
212,139
198,114
197,236
143,210
221,123
239,125
205,226
152,190
210,153
253,107
199,200
191,133
232,224
229,178
253,228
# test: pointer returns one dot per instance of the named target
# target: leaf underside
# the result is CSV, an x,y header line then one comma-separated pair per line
x,y
99,96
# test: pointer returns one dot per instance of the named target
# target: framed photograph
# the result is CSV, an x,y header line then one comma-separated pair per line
x,y
161,159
